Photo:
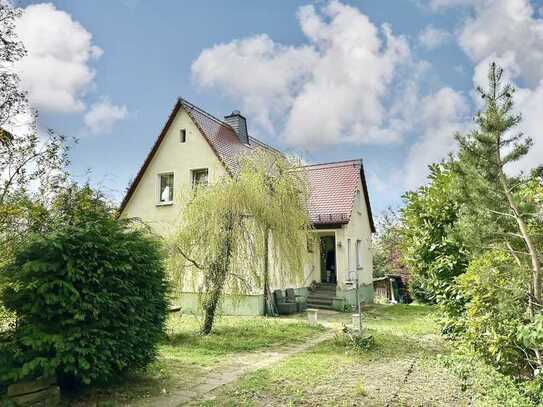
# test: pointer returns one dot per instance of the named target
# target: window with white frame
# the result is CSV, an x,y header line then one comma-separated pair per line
x,y
183,135
348,255
200,178
358,254
165,191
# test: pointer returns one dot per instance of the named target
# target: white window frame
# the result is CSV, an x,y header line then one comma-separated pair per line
x,y
158,178
358,254
182,135
194,171
349,255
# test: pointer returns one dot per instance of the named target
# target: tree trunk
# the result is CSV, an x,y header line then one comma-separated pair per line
x,y
269,305
532,251
535,289
212,298
216,279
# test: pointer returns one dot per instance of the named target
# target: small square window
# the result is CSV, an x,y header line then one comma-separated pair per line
x,y
199,178
183,135
166,188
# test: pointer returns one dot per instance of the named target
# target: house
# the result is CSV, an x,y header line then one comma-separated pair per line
x,y
196,148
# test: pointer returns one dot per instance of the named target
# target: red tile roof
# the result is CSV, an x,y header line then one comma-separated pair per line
x,y
332,186
222,137
332,189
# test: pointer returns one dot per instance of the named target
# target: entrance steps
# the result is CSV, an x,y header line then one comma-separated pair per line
x,y
322,297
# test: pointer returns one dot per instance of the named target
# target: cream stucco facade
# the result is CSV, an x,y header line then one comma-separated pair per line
x,y
178,158
173,156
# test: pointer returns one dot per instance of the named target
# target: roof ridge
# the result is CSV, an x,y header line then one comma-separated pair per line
x,y
342,163
223,123
265,145
205,113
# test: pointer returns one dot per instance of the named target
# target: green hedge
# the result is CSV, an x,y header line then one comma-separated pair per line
x,y
90,299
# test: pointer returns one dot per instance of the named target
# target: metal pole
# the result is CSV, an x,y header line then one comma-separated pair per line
x,y
359,309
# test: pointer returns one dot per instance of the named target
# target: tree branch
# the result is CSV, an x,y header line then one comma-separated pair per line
x,y
194,263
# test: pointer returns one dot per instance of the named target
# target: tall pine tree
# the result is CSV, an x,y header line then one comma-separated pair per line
x,y
491,194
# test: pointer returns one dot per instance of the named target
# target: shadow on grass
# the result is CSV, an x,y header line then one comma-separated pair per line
x,y
137,385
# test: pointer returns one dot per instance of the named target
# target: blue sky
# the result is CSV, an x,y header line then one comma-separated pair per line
x,y
387,81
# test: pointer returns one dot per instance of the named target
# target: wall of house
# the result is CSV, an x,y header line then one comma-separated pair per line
x,y
358,228
181,159
279,278
229,304
195,153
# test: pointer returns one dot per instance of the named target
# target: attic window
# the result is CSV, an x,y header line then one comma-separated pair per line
x,y
183,135
165,193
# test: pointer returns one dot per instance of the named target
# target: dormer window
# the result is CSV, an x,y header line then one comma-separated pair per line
x,y
165,192
183,135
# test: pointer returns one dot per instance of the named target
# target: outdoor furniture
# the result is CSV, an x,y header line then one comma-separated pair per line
x,y
292,297
283,306
312,316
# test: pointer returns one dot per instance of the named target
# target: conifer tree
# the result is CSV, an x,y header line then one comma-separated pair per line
x,y
493,200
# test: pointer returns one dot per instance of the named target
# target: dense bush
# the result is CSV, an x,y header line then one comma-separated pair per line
x,y
431,248
495,311
491,387
90,297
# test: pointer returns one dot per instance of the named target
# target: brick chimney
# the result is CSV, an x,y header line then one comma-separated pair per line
x,y
239,124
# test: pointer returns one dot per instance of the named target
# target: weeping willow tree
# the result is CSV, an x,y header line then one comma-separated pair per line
x,y
234,230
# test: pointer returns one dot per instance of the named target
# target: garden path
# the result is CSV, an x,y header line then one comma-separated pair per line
x,y
204,387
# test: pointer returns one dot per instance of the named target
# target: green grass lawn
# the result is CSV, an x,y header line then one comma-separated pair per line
x,y
186,355
404,367
332,374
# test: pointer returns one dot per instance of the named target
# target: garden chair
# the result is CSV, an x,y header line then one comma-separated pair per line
x,y
283,306
293,298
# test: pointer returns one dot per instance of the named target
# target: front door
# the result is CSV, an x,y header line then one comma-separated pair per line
x,y
328,259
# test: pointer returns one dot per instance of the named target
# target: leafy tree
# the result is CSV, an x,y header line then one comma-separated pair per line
x,y
431,248
387,245
12,99
32,167
89,295
232,230
503,209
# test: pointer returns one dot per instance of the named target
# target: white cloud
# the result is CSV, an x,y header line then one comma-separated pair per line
x,y
501,27
331,90
56,71
442,114
530,103
265,74
432,37
510,33
441,5
103,115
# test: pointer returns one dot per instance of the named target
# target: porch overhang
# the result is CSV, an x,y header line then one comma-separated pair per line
x,y
330,220
319,226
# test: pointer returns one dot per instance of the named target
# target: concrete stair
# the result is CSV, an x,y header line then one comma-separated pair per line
x,y
322,297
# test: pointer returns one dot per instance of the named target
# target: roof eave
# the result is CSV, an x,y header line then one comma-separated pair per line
x,y
150,156
366,196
